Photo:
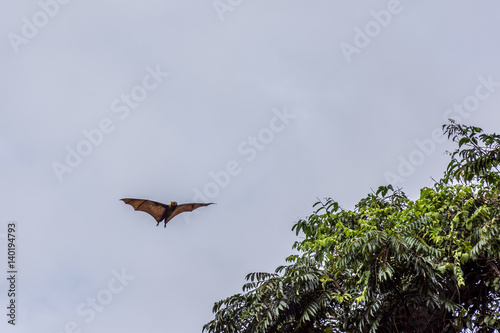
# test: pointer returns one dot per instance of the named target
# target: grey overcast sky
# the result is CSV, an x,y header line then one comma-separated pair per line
x,y
259,106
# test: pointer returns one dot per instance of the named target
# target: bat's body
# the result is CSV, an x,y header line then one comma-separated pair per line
x,y
162,212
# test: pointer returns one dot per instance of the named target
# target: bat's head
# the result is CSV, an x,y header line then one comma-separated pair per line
x,y
173,204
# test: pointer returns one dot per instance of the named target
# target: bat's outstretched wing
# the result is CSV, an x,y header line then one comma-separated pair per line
x,y
153,208
189,207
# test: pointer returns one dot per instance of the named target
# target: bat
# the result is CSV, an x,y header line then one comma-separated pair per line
x,y
161,211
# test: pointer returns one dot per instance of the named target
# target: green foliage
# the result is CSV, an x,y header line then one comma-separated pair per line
x,y
478,153
391,264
